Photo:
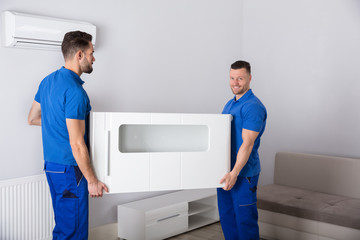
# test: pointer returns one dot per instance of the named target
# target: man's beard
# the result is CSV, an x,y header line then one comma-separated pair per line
x,y
89,69
86,67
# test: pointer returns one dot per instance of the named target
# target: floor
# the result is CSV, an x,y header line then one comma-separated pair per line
x,y
209,232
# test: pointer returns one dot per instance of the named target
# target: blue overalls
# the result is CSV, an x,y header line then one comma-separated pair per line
x,y
238,211
69,193
237,207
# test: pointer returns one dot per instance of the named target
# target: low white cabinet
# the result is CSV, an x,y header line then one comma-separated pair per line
x,y
167,151
167,215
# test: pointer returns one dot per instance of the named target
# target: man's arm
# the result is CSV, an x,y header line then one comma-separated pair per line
x,y
34,117
76,129
244,152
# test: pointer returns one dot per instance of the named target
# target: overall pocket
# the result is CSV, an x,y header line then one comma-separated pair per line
x,y
245,190
63,179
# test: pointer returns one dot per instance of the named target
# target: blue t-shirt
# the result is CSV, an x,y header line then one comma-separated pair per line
x,y
61,96
248,113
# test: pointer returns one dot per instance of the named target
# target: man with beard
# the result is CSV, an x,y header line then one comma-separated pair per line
x,y
61,107
237,199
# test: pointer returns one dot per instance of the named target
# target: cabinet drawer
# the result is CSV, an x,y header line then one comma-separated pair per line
x,y
168,226
165,212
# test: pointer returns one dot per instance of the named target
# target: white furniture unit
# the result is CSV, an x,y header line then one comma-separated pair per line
x,y
133,152
39,32
167,215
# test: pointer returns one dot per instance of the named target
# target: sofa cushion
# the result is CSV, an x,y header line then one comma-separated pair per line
x,y
334,209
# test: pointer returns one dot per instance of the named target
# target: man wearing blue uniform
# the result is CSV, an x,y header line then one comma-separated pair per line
x,y
237,199
61,107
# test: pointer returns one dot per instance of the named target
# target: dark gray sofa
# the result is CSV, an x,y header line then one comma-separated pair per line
x,y
313,197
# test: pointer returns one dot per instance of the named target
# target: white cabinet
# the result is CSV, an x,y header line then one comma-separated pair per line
x,y
167,215
134,152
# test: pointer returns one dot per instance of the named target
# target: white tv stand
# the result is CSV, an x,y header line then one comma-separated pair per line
x,y
167,215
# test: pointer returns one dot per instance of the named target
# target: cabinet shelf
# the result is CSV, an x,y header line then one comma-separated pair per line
x,y
196,221
197,207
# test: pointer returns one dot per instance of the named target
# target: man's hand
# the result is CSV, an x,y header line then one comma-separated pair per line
x,y
96,189
230,180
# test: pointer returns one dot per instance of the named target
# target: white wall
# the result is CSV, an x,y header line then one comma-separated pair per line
x,y
151,56
306,62
174,56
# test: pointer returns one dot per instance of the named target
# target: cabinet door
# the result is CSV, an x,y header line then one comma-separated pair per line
x,y
204,169
165,166
129,170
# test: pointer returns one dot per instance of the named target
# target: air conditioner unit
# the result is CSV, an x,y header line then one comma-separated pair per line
x,y
39,32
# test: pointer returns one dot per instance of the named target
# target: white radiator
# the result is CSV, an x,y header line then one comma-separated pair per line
x,y
26,209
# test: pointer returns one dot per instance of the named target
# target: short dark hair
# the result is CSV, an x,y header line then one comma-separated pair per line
x,y
75,41
241,64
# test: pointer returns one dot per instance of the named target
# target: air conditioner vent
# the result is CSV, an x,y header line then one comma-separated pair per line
x,y
38,32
